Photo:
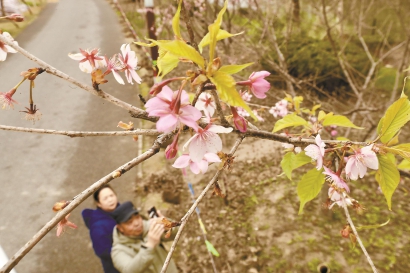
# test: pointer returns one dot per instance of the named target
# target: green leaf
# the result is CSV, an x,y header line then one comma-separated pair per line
x,y
182,50
233,69
292,120
213,32
225,85
388,177
222,34
397,115
201,224
292,161
372,226
404,165
167,63
339,120
402,150
211,248
175,21
310,186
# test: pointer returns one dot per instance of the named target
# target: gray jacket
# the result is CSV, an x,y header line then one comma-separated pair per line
x,y
129,256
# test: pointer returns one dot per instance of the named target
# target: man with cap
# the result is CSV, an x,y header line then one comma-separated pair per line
x,y
137,243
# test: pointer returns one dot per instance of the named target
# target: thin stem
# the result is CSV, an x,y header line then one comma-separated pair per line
x,y
134,111
31,93
146,132
224,122
184,219
349,220
77,200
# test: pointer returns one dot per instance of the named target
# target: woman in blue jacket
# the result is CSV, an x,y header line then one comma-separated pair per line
x,y
101,225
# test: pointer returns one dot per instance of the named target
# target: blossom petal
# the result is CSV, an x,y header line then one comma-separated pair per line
x,y
117,77
167,123
197,149
181,162
3,55
210,157
219,129
259,74
135,76
76,56
194,168
203,166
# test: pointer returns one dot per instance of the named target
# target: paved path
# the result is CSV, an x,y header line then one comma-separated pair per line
x,y
38,170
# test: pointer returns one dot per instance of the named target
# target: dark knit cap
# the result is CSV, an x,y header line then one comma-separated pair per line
x,y
124,212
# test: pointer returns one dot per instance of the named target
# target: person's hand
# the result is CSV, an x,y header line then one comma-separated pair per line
x,y
154,234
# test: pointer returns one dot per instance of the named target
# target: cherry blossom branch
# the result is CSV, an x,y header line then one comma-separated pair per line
x,y
146,132
349,220
224,122
77,200
135,111
185,219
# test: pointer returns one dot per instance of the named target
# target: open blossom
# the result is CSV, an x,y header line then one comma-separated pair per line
x,y
172,108
7,100
316,151
280,109
336,180
196,167
358,163
206,103
336,197
115,65
89,59
257,83
130,61
63,224
205,141
4,49
32,114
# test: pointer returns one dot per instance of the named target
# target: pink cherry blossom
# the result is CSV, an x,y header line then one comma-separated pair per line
x,y
130,60
7,100
89,60
4,49
63,224
115,65
336,197
257,83
280,109
172,108
316,152
335,179
205,141
206,103
358,163
196,167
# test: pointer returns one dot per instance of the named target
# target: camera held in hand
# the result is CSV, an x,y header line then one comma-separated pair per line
x,y
152,212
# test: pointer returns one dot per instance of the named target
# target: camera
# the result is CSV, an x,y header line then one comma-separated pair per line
x,y
152,212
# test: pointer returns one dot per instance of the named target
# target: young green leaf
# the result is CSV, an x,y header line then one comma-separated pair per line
x,y
175,21
167,63
233,69
292,120
373,226
397,115
213,32
225,85
388,177
222,34
182,50
339,120
211,248
402,149
404,165
292,161
310,186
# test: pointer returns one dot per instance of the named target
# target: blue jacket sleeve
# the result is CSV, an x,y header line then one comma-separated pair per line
x,y
101,238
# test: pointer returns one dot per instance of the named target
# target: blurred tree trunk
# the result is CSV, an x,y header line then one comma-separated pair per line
x,y
3,12
296,12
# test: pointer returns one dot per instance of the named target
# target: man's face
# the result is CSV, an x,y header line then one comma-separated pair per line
x,y
133,227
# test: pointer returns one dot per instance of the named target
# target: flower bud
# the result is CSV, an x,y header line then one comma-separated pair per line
x,y
15,17
128,127
60,205
116,174
172,149
239,121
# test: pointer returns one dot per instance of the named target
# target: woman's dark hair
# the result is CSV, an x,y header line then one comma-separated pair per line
x,y
97,193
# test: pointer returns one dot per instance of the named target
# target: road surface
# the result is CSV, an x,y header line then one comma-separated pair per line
x,y
38,170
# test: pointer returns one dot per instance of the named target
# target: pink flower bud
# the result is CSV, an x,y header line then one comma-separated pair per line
x,y
239,121
333,133
15,17
172,149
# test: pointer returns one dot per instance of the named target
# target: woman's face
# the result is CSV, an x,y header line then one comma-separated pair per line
x,y
107,200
